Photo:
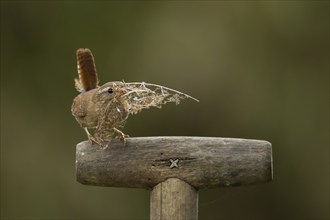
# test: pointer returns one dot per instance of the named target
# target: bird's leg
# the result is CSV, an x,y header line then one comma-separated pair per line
x,y
91,138
121,136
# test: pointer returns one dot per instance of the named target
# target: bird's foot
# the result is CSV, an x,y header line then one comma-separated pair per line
x,y
120,135
95,140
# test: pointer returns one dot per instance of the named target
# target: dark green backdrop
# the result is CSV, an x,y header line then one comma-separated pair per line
x,y
259,68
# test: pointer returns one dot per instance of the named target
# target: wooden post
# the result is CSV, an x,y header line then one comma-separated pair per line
x,y
175,168
173,199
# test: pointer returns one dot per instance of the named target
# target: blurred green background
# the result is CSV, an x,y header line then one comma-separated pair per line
x,y
259,68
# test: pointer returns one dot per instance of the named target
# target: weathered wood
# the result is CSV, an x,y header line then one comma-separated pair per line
x,y
203,162
173,199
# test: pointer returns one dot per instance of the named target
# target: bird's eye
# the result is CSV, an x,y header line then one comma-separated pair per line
x,y
110,91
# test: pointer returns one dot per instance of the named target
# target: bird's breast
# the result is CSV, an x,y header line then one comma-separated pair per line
x,y
85,110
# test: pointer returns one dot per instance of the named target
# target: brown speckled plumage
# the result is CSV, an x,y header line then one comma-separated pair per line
x,y
106,108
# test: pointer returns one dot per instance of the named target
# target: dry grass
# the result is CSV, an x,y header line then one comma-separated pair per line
x,y
117,100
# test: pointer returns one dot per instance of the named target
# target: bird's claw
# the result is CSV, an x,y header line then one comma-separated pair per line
x,y
120,135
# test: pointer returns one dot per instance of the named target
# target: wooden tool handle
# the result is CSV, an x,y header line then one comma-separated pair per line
x,y
202,162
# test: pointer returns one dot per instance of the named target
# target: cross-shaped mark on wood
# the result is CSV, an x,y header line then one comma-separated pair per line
x,y
174,163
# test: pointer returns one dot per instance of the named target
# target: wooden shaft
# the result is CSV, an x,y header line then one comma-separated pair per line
x,y
174,199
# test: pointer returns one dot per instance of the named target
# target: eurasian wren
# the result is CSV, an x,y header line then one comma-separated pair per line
x,y
105,108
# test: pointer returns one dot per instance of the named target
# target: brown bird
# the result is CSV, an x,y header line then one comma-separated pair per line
x,y
106,108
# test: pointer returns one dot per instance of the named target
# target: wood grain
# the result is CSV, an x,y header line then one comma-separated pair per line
x,y
173,199
202,162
